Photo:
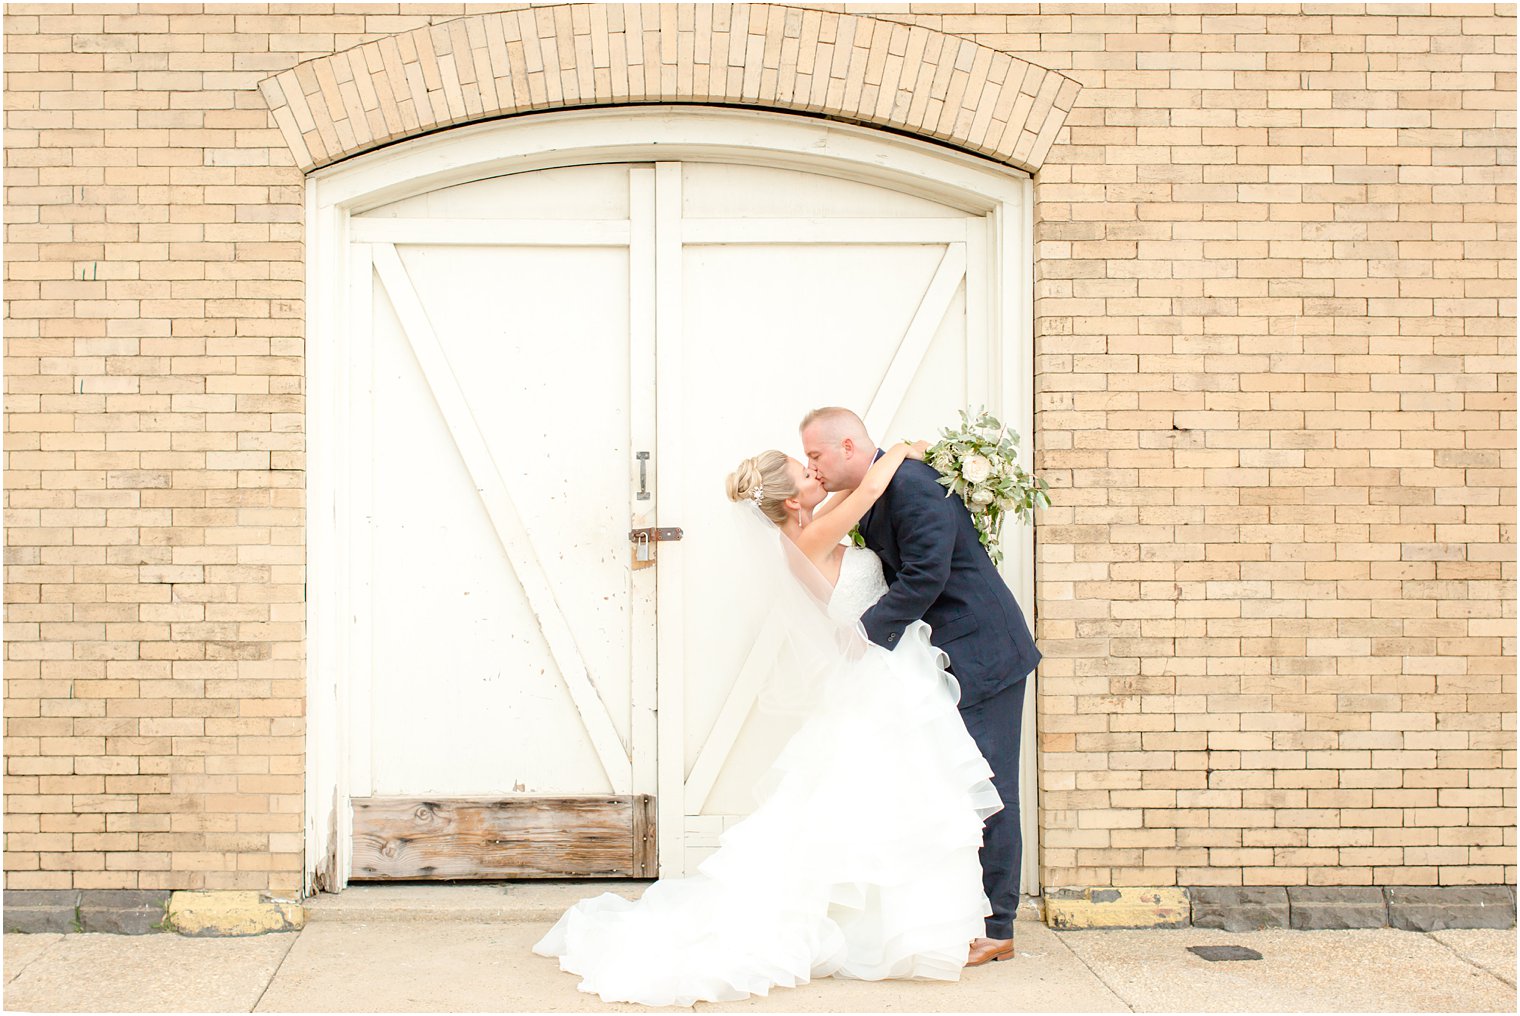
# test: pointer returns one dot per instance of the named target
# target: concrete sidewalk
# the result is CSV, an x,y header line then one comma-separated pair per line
x,y
463,949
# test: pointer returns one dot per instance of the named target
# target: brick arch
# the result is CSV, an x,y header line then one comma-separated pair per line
x,y
861,69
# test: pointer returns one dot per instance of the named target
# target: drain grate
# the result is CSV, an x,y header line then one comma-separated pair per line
x,y
1217,953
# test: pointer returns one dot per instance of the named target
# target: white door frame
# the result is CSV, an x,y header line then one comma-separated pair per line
x,y
579,137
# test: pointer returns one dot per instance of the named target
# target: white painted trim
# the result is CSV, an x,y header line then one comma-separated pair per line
x,y
980,370
824,231
335,255
324,752
1014,256
360,461
615,232
579,137
502,511
643,647
676,133
670,802
324,737
916,339
491,232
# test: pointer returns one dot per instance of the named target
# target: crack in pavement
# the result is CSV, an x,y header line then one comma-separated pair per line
x,y
1080,959
277,968
43,952
1470,962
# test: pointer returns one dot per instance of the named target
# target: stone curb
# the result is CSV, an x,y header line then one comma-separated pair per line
x,y
1070,909
42,911
232,912
124,911
1316,908
1253,908
1418,908
208,913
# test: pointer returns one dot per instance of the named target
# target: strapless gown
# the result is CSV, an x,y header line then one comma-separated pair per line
x,y
861,861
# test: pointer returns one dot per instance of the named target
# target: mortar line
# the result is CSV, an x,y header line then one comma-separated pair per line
x,y
1083,960
277,968
1451,949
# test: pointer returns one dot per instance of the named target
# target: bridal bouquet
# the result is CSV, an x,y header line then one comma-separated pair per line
x,y
978,462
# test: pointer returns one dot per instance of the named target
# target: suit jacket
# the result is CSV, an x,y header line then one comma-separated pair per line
x,y
937,570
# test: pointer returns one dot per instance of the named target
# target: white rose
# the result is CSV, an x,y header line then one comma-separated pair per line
x,y
976,468
981,496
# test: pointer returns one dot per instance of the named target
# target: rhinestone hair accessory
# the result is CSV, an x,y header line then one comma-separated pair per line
x,y
757,494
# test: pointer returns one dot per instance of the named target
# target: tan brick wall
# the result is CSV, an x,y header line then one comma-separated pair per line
x,y
1275,383
1275,358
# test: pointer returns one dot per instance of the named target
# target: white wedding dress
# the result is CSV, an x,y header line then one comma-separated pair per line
x,y
861,862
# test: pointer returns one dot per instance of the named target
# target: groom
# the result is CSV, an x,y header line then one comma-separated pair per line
x,y
937,570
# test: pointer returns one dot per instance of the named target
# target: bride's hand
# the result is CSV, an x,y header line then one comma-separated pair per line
x,y
916,449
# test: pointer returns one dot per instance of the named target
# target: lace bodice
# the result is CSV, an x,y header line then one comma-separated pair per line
x,y
861,583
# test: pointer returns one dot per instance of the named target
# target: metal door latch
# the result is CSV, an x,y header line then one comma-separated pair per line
x,y
643,541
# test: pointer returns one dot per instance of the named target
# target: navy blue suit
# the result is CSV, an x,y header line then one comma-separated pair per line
x,y
938,571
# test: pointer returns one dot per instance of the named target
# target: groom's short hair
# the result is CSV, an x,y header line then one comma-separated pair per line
x,y
837,417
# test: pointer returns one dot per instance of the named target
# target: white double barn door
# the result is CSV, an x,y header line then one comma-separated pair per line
x,y
517,343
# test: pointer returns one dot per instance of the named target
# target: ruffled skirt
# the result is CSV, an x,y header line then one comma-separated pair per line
x,y
861,860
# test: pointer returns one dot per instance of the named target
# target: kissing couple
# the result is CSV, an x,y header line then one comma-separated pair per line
x,y
886,843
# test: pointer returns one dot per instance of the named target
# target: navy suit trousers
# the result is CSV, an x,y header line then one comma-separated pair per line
x,y
995,724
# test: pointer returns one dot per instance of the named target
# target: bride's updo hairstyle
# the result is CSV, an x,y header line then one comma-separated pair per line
x,y
768,474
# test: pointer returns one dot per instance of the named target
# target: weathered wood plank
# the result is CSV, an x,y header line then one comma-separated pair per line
x,y
511,837
646,861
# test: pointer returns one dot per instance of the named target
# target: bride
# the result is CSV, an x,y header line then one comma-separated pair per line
x,y
861,860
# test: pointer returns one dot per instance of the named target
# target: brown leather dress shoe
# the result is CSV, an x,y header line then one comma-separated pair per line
x,y
987,949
